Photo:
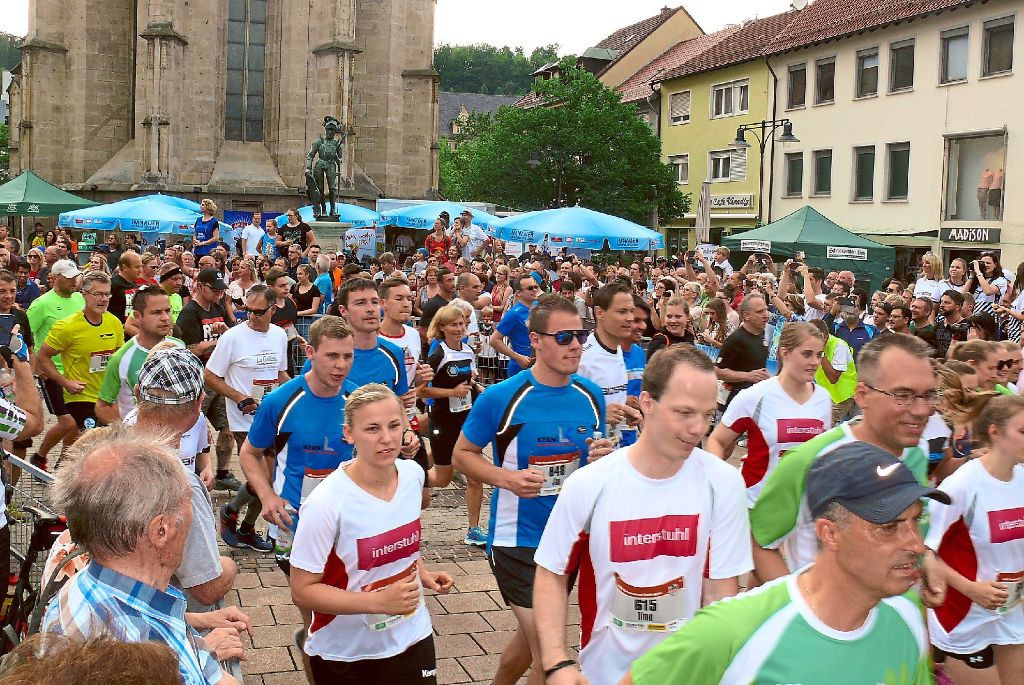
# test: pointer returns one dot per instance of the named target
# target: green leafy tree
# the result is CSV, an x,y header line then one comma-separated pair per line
x,y
488,69
9,53
583,147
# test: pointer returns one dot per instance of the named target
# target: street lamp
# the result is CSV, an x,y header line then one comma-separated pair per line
x,y
763,131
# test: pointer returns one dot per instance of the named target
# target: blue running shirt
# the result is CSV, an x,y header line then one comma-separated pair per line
x,y
513,327
385,364
529,423
636,362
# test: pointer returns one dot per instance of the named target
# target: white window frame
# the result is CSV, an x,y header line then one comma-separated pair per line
x,y
1010,19
889,147
680,163
955,32
899,45
685,118
732,91
789,85
725,154
831,59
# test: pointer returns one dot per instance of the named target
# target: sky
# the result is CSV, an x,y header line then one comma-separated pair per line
x,y
574,25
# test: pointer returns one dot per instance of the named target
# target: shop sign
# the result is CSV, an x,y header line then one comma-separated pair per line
x,y
732,201
988,236
858,253
755,246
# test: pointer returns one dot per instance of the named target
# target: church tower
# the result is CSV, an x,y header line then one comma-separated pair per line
x,y
223,99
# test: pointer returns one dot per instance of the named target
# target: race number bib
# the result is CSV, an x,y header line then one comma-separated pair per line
x,y
661,608
1014,588
460,404
311,479
98,361
555,469
262,388
381,622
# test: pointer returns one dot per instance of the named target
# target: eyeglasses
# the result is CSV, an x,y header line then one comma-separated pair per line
x,y
259,312
904,398
531,287
98,296
565,337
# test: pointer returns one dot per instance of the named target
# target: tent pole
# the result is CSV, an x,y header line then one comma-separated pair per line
x,y
23,250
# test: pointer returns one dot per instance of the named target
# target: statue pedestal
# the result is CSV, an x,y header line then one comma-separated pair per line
x,y
330,235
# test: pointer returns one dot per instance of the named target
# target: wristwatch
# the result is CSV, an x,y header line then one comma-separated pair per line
x,y
245,403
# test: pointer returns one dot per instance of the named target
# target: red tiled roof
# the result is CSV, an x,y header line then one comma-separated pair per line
x,y
825,20
531,99
638,86
750,41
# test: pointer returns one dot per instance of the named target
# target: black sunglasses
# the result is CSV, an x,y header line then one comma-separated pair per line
x,y
1005,364
565,337
259,312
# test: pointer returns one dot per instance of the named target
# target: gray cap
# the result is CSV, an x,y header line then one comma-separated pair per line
x,y
171,375
866,480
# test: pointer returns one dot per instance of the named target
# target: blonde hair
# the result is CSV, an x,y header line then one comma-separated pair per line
x,y
366,395
209,204
932,264
444,316
794,333
959,405
997,412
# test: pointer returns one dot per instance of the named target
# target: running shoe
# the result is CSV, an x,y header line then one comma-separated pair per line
x,y
229,527
476,537
228,482
38,461
253,540
300,637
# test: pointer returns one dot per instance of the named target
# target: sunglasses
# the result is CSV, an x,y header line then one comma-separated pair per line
x,y
565,337
1005,364
259,312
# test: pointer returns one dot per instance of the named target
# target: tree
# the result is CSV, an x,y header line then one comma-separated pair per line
x,y
9,53
488,69
584,146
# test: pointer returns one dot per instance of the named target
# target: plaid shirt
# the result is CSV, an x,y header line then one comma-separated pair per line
x,y
98,599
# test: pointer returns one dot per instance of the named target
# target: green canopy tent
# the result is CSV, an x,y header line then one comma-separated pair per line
x,y
825,244
29,195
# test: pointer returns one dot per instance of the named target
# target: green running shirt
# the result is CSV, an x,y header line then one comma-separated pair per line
x,y
769,636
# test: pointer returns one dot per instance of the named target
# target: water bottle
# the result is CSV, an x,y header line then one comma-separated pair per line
x,y
285,535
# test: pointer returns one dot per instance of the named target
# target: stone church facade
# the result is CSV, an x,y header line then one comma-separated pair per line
x,y
223,98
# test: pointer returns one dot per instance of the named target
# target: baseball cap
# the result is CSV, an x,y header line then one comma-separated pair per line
x,y
171,375
65,268
868,481
211,277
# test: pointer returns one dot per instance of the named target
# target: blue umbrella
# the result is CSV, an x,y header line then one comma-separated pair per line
x,y
148,214
359,217
423,215
576,227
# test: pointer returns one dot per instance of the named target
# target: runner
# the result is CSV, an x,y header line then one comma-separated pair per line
x,y
152,315
651,518
513,325
356,557
896,393
123,284
843,621
86,341
534,449
249,362
780,413
678,326
61,301
980,539
602,360
376,360
636,360
8,308
202,321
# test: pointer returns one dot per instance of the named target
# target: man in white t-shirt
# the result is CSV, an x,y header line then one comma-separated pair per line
x,y
602,361
814,298
252,235
249,362
471,238
649,519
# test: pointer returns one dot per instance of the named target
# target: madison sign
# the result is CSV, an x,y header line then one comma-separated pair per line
x,y
970,235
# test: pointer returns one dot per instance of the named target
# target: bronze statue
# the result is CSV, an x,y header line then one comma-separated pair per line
x,y
327,168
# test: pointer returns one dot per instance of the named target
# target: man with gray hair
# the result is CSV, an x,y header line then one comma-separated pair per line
x,y
745,352
127,502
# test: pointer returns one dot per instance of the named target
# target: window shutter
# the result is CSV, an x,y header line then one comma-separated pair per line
x,y
679,107
738,166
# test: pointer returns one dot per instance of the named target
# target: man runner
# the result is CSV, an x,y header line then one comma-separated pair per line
x,y
534,450
86,341
249,362
647,521
843,621
513,326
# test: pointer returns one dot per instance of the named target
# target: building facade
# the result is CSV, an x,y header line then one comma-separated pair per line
x,y
223,100
911,133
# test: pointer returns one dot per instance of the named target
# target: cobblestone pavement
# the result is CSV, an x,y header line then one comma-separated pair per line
x,y
471,624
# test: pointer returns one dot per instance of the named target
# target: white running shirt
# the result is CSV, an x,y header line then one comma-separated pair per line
x,y
648,546
774,423
607,369
411,345
361,543
980,535
194,441
249,362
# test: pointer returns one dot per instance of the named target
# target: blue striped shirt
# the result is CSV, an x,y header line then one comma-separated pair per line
x,y
98,600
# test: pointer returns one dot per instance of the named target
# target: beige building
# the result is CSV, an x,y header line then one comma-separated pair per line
x,y
223,99
909,126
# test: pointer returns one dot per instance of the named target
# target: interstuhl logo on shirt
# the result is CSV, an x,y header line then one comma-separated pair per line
x,y
1006,525
799,430
669,536
385,548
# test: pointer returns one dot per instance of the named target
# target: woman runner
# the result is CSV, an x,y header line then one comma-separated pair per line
x,y
355,561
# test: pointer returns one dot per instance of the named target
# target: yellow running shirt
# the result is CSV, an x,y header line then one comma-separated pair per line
x,y
85,349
